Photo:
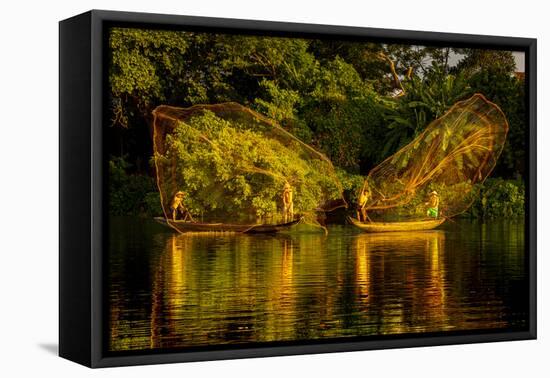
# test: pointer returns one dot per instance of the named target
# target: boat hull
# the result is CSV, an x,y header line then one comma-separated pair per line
x,y
397,226
186,227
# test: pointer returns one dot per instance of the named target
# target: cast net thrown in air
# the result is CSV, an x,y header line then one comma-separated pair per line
x,y
454,154
233,164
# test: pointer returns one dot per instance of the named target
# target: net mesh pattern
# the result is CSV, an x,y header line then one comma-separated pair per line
x,y
233,164
454,154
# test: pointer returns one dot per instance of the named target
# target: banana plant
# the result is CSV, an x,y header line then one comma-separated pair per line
x,y
425,98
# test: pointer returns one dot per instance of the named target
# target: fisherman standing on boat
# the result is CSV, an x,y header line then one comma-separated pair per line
x,y
178,206
288,203
433,205
361,204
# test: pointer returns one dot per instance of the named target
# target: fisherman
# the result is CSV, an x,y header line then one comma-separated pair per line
x,y
178,206
361,204
288,203
433,205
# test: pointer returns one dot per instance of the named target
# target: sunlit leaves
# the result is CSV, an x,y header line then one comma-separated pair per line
x,y
452,155
140,60
426,98
234,169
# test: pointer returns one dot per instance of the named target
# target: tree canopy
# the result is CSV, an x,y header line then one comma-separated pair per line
x,y
356,102
234,163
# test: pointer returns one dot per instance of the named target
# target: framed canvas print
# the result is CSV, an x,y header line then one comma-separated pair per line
x,y
233,188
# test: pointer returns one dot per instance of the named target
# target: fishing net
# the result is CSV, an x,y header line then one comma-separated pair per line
x,y
232,165
451,157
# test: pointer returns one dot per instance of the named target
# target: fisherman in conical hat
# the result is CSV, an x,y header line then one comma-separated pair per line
x,y
178,206
364,196
433,205
288,203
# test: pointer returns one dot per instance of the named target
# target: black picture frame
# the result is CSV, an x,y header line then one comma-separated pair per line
x,y
82,98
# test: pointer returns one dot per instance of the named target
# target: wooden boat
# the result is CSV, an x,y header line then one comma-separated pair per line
x,y
427,224
184,227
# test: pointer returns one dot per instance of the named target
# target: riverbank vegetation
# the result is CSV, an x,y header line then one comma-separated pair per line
x,y
356,102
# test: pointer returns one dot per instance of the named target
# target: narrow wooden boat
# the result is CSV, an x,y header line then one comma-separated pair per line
x,y
184,227
272,228
427,224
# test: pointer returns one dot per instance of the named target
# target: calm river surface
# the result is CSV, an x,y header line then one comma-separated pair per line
x,y
176,291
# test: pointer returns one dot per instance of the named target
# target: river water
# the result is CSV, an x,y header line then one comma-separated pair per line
x,y
190,291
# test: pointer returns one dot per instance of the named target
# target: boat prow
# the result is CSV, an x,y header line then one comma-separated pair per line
x,y
421,225
186,227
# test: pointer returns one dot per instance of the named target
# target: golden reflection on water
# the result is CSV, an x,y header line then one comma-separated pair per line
x,y
234,289
427,296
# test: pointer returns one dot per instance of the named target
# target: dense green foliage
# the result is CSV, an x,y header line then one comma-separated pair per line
x,y
499,198
507,92
338,96
426,99
351,184
229,168
131,194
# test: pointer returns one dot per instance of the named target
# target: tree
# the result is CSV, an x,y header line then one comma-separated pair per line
x,y
425,99
338,96
143,62
479,60
235,165
508,92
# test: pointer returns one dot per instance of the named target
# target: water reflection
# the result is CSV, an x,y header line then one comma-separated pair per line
x,y
172,290
413,259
